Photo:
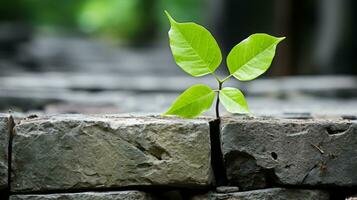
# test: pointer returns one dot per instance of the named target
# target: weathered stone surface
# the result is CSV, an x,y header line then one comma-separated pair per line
x,y
226,189
123,195
261,152
4,143
77,152
268,194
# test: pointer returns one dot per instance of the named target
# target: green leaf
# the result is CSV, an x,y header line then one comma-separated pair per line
x,y
233,100
194,48
253,56
193,102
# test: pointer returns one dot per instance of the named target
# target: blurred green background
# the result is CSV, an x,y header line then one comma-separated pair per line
x,y
124,20
320,33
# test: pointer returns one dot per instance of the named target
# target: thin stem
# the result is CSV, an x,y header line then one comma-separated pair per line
x,y
217,78
217,102
227,78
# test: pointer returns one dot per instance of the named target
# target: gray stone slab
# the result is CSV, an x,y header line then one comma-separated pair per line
x,y
268,194
122,195
83,152
4,143
320,85
226,189
60,92
261,152
51,81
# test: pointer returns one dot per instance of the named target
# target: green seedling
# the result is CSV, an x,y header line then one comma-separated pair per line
x,y
197,53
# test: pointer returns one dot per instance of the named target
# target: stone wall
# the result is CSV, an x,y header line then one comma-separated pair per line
x,y
112,157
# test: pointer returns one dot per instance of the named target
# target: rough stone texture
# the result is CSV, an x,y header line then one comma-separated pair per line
x,y
263,152
268,194
4,143
123,195
83,152
226,189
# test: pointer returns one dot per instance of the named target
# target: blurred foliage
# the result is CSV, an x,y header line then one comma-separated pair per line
x,y
183,10
12,10
119,18
127,20
53,13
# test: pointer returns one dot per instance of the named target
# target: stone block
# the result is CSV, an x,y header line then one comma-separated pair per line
x,y
262,152
85,152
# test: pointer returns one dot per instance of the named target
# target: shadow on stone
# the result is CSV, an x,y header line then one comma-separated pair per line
x,y
248,174
217,163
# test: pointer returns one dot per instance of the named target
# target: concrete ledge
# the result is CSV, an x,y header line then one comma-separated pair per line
x,y
263,152
86,152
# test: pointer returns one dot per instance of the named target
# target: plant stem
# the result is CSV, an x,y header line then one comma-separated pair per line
x,y
217,102
227,78
217,78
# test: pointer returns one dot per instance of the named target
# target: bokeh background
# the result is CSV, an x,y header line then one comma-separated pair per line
x,y
112,56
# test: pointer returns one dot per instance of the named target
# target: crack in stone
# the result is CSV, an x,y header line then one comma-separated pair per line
x,y
9,158
307,174
338,130
154,150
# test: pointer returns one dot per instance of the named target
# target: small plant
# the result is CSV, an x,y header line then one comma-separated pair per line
x,y
196,51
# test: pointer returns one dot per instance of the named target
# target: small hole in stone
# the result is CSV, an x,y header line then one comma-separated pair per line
x,y
274,155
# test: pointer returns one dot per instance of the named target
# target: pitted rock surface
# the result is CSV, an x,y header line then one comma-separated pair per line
x,y
123,195
264,152
83,152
